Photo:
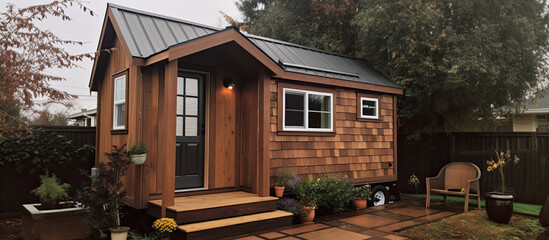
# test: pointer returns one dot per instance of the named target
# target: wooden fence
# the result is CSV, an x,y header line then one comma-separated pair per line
x,y
15,187
529,178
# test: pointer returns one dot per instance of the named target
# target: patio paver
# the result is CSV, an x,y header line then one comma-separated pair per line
x,y
272,235
372,223
333,233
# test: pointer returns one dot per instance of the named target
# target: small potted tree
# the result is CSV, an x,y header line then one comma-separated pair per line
x,y
499,205
281,181
104,195
138,153
361,196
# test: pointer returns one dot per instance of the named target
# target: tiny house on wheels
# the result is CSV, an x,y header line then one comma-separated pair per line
x,y
222,112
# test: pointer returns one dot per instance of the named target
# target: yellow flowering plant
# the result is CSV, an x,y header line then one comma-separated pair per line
x,y
414,180
502,159
164,226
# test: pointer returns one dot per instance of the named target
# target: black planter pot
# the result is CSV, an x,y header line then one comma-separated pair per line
x,y
499,207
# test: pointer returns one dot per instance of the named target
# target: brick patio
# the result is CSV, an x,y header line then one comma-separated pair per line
x,y
372,223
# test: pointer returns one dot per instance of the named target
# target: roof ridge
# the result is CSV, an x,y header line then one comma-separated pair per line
x,y
109,4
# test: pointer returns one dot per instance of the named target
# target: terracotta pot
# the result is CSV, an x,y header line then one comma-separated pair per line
x,y
499,207
120,233
360,203
279,191
138,159
309,218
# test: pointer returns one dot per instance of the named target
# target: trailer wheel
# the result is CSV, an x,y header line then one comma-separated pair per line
x,y
380,196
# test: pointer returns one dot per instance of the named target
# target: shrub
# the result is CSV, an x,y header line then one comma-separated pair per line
x,y
335,192
51,191
40,151
139,148
307,191
363,192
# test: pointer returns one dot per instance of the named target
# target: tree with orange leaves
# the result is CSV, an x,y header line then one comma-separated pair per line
x,y
26,53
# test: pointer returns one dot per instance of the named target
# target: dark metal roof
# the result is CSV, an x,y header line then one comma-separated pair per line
x,y
147,34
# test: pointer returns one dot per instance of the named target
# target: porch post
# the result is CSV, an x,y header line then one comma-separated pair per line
x,y
166,134
264,134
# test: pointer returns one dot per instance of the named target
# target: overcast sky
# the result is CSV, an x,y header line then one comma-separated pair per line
x,y
87,29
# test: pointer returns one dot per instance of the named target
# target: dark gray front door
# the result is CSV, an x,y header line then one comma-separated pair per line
x,y
189,167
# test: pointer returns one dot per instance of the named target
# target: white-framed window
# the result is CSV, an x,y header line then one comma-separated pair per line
x,y
119,106
307,110
369,107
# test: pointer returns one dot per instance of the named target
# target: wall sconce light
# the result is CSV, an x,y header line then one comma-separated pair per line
x,y
228,82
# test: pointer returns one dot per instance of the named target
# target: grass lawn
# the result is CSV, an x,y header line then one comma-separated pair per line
x,y
476,225
526,208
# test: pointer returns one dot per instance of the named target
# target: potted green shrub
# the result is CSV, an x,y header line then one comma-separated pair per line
x,y
51,192
499,205
361,196
280,184
138,153
306,211
307,194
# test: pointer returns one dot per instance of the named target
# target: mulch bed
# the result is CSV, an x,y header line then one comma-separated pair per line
x,y
10,229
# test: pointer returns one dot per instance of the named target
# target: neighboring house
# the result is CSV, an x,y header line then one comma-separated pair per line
x,y
222,111
85,118
533,117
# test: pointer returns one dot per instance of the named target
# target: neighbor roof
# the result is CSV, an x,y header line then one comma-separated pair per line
x,y
147,34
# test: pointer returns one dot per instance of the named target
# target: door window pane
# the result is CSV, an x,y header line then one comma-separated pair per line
x,y
179,105
191,106
191,88
180,85
191,126
179,126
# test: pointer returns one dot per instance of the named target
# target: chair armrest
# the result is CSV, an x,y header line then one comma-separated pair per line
x,y
435,182
474,185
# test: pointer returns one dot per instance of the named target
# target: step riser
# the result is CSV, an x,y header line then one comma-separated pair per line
x,y
235,230
215,213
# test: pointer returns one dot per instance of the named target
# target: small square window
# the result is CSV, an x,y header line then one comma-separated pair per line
x,y
369,108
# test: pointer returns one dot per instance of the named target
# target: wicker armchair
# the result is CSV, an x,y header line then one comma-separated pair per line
x,y
457,179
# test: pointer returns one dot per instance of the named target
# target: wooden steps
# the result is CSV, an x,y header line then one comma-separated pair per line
x,y
219,215
213,206
227,227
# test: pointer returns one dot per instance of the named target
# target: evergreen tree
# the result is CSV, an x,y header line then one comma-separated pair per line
x,y
456,60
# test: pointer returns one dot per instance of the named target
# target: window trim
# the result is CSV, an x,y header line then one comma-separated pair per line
x,y
371,97
282,130
123,128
